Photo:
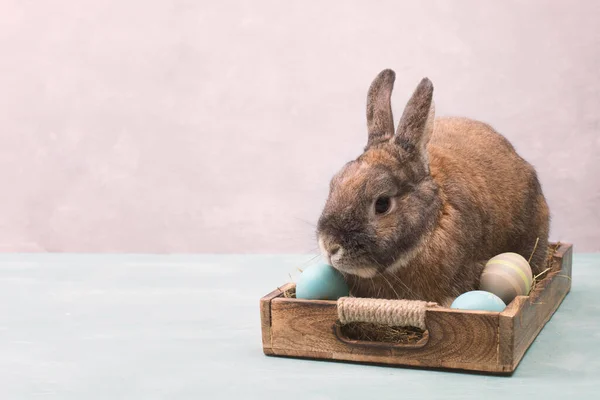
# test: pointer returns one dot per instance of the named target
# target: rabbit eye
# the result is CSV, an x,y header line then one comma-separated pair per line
x,y
382,205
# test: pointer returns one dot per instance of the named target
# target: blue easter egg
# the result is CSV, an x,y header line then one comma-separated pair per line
x,y
321,282
479,300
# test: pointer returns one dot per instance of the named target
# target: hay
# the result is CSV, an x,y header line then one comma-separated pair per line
x,y
381,333
411,335
541,280
290,293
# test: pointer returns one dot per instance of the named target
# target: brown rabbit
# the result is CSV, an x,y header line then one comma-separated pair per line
x,y
420,212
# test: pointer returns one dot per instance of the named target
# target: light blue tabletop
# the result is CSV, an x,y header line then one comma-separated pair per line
x,y
188,327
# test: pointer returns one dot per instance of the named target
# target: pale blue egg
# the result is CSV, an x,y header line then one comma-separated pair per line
x,y
479,300
321,282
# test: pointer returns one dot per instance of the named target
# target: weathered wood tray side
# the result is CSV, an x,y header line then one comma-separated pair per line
x,y
466,340
524,318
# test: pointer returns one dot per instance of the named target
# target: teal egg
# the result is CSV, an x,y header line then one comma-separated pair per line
x,y
479,300
321,282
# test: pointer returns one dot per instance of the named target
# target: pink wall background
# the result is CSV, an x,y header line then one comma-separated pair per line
x,y
197,126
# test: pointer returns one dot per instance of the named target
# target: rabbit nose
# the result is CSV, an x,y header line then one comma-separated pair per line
x,y
329,248
334,249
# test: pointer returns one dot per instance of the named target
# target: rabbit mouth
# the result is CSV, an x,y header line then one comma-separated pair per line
x,y
344,261
361,271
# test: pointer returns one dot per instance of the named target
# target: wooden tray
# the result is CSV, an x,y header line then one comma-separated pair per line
x,y
481,341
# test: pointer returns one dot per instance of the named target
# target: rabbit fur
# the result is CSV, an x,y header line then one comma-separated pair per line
x,y
421,210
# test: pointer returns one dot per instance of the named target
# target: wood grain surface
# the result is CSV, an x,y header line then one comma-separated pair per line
x,y
456,339
265,316
524,319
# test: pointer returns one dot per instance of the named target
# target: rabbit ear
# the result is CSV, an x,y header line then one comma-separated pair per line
x,y
380,121
416,124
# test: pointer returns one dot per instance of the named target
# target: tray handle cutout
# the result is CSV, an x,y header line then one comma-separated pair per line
x,y
385,319
342,336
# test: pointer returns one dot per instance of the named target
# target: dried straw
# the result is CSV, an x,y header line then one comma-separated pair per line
x,y
381,333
